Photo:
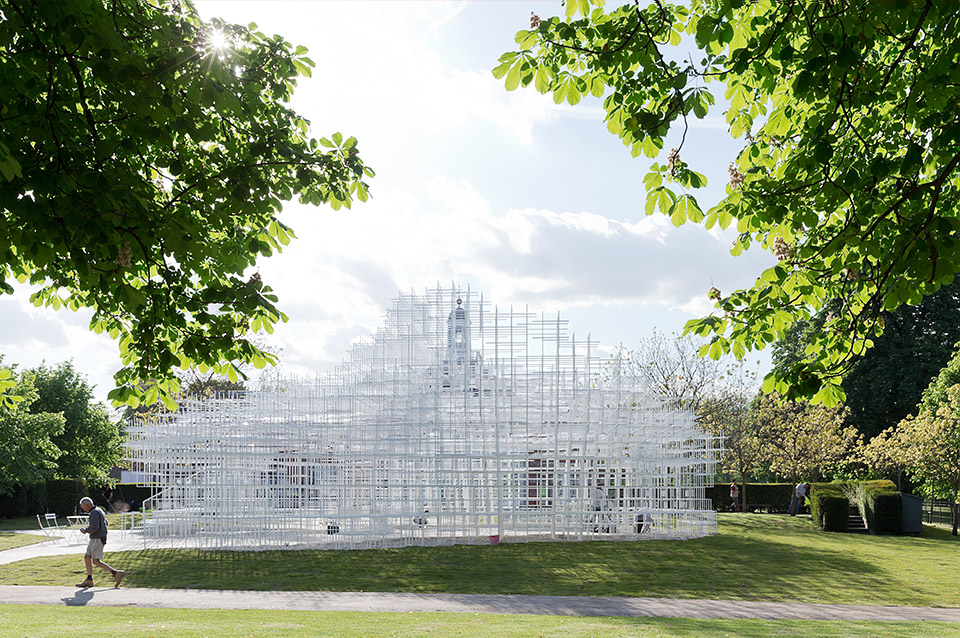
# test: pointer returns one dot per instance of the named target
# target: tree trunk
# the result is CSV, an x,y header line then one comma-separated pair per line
x,y
953,509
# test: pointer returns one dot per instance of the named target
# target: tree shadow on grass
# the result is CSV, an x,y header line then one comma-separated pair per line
x,y
742,569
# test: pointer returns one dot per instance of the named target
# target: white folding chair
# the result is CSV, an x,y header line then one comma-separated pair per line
x,y
51,529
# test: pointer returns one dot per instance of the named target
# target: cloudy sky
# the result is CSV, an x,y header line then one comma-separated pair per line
x,y
521,199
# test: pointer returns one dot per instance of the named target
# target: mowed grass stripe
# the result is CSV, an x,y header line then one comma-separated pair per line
x,y
10,540
752,557
55,622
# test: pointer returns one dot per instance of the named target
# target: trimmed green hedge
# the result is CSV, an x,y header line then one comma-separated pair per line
x,y
62,497
58,496
774,497
824,498
879,504
834,512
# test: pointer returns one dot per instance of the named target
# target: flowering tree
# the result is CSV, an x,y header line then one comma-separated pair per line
x,y
849,170
145,155
928,446
804,440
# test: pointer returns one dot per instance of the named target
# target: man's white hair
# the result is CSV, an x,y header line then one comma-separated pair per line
x,y
86,500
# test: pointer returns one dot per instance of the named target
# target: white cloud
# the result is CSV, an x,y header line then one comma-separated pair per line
x,y
443,229
31,336
380,77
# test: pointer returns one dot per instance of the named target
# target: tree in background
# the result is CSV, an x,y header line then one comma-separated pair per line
x,y
205,383
880,455
718,392
886,383
729,413
845,174
26,438
144,158
195,384
936,393
89,443
928,446
671,367
804,440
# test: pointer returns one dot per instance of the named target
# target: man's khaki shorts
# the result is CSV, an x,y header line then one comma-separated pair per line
x,y
95,548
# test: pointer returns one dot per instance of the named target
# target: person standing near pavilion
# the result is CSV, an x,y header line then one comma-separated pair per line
x,y
97,529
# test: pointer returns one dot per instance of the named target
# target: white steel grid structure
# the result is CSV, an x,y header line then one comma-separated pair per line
x,y
455,423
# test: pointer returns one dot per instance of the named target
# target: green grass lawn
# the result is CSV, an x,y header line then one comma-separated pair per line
x,y
30,522
21,523
9,540
39,621
752,557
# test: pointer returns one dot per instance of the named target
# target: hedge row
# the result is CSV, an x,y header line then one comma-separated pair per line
x,y
834,513
879,504
829,506
772,497
62,497
877,501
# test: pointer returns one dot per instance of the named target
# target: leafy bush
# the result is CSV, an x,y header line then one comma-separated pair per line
x,y
39,498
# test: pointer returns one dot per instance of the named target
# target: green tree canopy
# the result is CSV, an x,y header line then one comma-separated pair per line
x,y
849,171
886,384
928,447
144,157
90,440
801,440
935,395
27,439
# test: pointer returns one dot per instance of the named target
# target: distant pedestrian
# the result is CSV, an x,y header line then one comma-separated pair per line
x,y
735,495
97,529
598,502
799,495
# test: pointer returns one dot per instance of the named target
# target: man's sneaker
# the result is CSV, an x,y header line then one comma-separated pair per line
x,y
87,583
117,577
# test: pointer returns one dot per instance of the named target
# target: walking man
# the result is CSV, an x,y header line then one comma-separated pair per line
x,y
97,529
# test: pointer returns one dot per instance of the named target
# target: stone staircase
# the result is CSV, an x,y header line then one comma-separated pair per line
x,y
855,524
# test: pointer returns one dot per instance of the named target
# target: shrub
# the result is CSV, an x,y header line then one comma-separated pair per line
x,y
62,497
719,495
775,495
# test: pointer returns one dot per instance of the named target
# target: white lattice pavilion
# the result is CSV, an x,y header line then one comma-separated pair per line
x,y
457,422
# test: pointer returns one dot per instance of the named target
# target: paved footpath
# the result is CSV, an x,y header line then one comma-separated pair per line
x,y
460,603
456,603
